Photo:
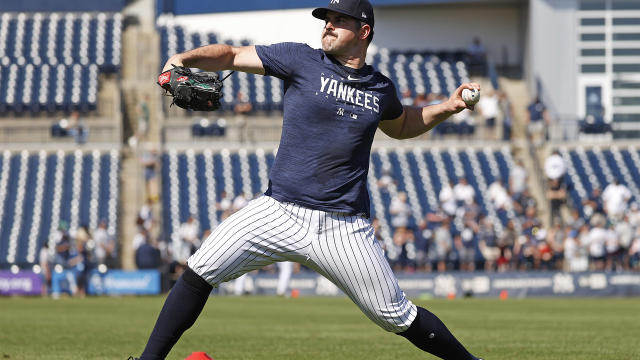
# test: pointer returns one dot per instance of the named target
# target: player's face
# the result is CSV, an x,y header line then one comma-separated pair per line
x,y
340,33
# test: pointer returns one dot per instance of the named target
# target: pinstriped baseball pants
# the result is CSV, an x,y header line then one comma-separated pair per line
x,y
340,247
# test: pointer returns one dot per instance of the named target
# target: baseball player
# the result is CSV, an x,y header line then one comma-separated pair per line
x,y
316,208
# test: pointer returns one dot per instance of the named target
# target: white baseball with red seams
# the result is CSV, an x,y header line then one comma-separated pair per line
x,y
471,97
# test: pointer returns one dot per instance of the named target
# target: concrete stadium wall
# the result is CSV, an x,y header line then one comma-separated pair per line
x,y
552,53
438,27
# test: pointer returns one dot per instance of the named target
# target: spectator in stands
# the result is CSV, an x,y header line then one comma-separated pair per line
x,y
634,215
506,108
477,57
141,236
224,205
624,233
462,123
442,245
77,128
105,246
517,179
239,202
149,160
575,253
422,237
556,195
243,105
241,108
465,245
526,246
576,221
448,199
407,98
399,210
146,214
488,243
537,121
410,252
506,241
596,240
634,251
522,202
63,244
499,196
148,256
386,179
189,239
594,204
551,252
614,250
615,199
489,109
554,166
85,260
45,260
464,192
143,116
377,232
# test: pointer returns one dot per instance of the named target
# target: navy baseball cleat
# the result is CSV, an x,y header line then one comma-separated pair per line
x,y
132,358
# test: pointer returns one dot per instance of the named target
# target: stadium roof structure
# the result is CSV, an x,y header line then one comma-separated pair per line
x,y
185,7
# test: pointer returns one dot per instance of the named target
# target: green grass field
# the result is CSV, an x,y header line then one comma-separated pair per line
x,y
319,328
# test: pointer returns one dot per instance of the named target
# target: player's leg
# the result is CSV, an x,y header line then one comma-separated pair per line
x,y
261,233
347,253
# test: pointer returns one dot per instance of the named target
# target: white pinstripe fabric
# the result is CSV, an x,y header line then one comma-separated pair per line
x,y
340,247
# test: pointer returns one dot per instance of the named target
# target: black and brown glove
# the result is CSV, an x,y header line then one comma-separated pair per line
x,y
192,91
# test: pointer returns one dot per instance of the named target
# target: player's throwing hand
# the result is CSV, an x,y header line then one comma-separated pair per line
x,y
456,101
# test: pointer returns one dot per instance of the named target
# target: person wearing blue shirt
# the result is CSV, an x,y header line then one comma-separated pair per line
x,y
315,210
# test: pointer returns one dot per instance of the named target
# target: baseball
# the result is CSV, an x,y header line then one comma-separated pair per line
x,y
471,97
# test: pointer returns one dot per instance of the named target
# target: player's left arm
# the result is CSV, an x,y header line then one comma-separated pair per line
x,y
415,121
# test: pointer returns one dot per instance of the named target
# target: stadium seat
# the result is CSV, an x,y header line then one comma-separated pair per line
x,y
79,187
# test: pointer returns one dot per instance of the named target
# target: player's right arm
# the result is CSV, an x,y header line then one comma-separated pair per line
x,y
218,57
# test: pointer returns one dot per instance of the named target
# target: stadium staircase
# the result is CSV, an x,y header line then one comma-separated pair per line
x,y
522,148
139,70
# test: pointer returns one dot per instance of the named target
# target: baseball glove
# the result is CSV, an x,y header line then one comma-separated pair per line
x,y
192,91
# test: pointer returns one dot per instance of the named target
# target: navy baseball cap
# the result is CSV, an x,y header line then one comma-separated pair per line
x,y
359,9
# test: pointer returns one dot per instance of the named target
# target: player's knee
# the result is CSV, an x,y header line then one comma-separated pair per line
x,y
396,317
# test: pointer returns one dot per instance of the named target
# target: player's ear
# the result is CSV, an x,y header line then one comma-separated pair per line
x,y
365,30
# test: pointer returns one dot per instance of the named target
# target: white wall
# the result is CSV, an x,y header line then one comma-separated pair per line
x,y
446,27
552,53
261,27
452,27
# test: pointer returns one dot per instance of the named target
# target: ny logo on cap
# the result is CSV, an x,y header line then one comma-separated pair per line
x,y
335,1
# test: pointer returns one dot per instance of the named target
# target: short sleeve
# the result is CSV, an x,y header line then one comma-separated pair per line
x,y
394,108
281,60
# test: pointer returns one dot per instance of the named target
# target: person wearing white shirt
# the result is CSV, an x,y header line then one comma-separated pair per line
x,y
615,198
399,210
518,179
464,192
554,166
187,241
575,254
104,243
490,110
239,202
499,196
596,240
447,199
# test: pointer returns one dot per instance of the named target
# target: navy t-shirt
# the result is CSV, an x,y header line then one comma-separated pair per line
x,y
331,113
